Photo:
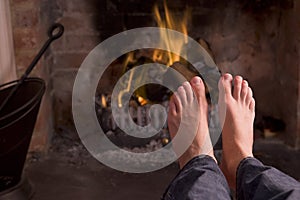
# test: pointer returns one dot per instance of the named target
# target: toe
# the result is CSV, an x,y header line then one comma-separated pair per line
x,y
252,105
225,84
249,96
181,93
198,88
244,90
188,91
177,102
172,107
237,87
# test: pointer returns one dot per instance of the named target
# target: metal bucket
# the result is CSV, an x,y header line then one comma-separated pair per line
x,y
17,121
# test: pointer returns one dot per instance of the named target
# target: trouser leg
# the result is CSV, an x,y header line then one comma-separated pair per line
x,y
200,178
257,181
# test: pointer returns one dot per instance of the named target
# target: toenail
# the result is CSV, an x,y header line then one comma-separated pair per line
x,y
238,78
226,76
175,95
185,83
197,80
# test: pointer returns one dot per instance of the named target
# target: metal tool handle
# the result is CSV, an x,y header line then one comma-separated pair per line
x,y
52,36
54,32
55,27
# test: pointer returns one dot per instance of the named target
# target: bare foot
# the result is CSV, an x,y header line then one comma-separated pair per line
x,y
188,106
237,109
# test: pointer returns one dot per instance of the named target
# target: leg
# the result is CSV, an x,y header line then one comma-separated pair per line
x,y
237,111
189,106
254,180
257,181
200,176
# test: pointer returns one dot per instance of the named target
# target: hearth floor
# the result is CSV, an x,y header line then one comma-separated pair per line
x,y
54,177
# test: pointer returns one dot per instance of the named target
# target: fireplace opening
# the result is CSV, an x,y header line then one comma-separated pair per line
x,y
142,98
149,94
237,51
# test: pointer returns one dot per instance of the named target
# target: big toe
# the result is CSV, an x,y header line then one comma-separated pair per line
x,y
225,84
198,88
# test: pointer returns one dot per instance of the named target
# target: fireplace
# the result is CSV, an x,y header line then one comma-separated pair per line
x,y
256,39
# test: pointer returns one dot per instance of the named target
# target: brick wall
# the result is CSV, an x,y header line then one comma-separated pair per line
x,y
243,35
29,33
288,73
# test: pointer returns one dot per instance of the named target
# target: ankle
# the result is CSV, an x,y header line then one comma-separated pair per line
x,y
184,159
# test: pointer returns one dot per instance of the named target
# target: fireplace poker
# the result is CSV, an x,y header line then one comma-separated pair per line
x,y
54,32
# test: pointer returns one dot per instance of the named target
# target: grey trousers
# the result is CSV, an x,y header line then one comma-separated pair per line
x,y
201,178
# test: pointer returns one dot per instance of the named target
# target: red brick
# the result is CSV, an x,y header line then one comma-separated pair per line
x,y
26,39
25,18
43,127
24,4
63,81
68,60
23,59
79,24
82,43
90,6
62,107
58,45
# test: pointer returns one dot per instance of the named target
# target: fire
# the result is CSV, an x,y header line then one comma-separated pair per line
x,y
103,101
170,22
164,20
142,101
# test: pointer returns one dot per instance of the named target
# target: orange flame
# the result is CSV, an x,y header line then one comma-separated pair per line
x,y
170,22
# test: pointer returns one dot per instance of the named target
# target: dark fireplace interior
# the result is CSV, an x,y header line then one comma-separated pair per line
x,y
248,38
